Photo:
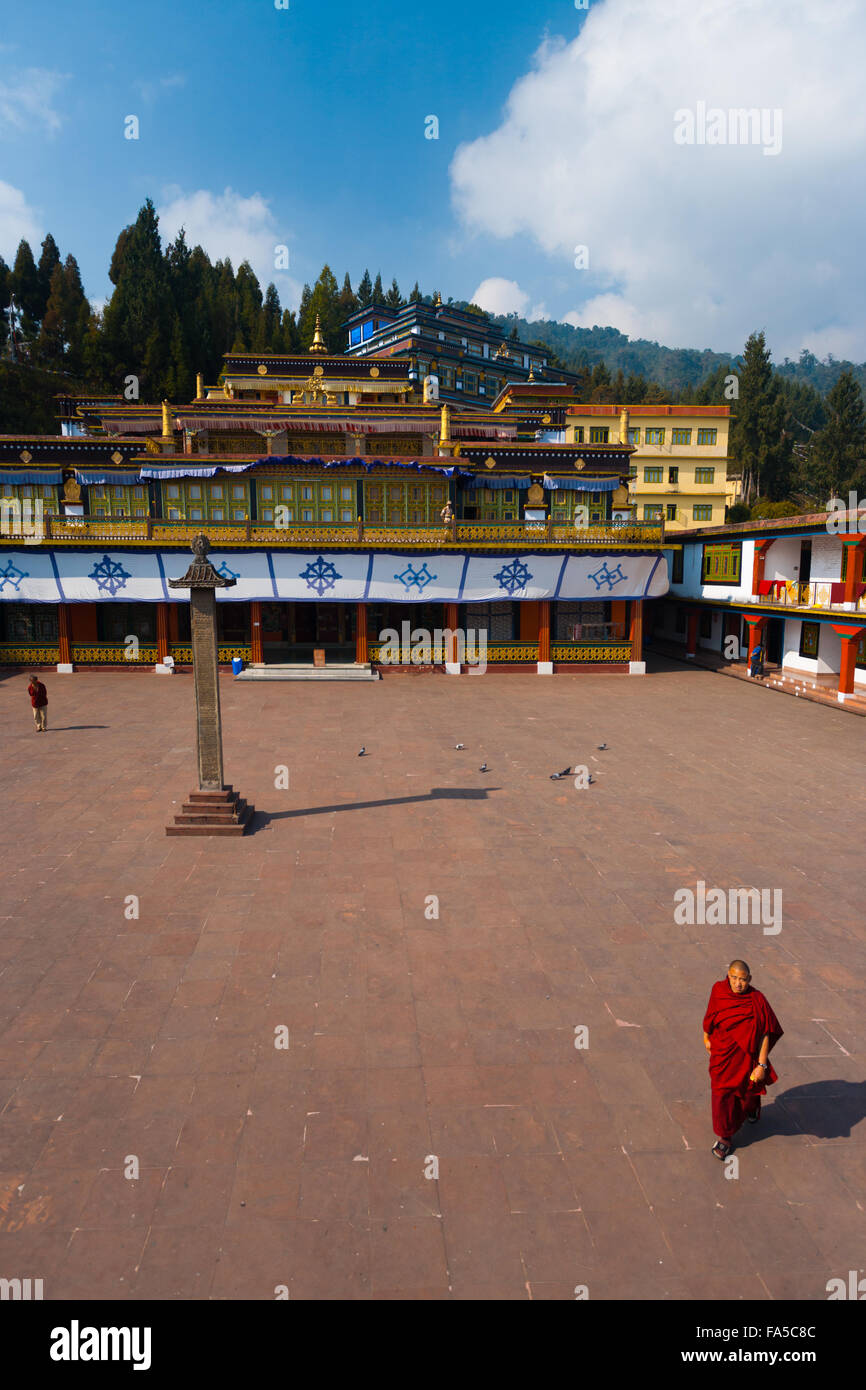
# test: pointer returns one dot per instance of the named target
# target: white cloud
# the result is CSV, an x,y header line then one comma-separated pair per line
x,y
27,100
228,224
17,219
150,88
695,245
500,296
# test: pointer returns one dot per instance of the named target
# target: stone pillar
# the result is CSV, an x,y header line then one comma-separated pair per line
x,y
452,665
64,664
361,656
692,633
545,665
214,809
256,653
637,665
850,642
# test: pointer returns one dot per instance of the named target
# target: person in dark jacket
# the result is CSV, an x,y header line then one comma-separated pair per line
x,y
39,700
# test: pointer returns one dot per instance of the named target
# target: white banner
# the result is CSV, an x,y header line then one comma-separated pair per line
x,y
98,576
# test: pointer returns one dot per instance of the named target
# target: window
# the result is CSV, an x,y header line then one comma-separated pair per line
x,y
599,434
671,511
653,475
673,475
470,383
634,436
396,503
707,436
578,434
703,512
652,513
681,437
678,566
720,563
655,436
704,475
810,636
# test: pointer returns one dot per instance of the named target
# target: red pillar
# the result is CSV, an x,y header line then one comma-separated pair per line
x,y
64,652
451,642
544,630
361,634
692,632
850,642
761,548
256,656
636,632
162,644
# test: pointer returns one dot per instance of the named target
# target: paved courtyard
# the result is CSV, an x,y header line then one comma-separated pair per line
x,y
144,982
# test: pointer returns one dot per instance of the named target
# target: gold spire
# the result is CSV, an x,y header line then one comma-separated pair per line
x,y
166,423
318,344
437,302
531,376
445,427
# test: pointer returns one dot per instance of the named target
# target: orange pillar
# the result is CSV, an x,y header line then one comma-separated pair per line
x,y
761,548
853,568
161,631
850,642
544,630
636,633
256,657
756,628
361,634
63,633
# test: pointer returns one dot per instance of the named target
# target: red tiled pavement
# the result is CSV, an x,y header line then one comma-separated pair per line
x,y
421,1044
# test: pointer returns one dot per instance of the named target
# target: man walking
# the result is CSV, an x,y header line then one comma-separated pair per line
x,y
740,1028
39,700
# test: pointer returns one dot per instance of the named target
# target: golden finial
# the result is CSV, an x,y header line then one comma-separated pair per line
x,y
166,423
437,302
531,376
445,428
318,344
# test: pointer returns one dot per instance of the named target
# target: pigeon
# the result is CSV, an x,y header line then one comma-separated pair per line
x,y
362,753
557,776
459,746
484,768
602,747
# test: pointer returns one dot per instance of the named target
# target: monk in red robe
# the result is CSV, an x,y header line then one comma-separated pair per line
x,y
740,1028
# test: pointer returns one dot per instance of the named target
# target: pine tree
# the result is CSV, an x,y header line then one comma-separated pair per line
x,y
5,296
759,447
323,302
378,289
66,320
270,320
394,298
839,449
138,319
249,295
289,339
48,260
348,300
27,289
365,291
416,297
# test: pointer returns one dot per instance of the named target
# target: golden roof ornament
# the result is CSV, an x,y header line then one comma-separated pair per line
x,y
437,302
318,344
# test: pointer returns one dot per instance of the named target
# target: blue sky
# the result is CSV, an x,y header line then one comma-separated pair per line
x,y
305,127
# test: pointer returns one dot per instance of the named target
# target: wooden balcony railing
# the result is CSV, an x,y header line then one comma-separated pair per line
x,y
816,593
84,531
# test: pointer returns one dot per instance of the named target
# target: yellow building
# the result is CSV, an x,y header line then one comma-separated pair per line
x,y
680,465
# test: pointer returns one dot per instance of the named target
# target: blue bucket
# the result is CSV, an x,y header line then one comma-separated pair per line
x,y
237,665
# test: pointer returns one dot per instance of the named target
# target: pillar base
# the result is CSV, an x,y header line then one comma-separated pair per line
x,y
163,670
221,812
64,668
545,668
452,668
637,668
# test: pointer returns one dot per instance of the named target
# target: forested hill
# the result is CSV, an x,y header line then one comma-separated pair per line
x,y
678,369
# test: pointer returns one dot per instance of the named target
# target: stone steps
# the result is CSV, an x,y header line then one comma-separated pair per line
x,y
308,673
221,812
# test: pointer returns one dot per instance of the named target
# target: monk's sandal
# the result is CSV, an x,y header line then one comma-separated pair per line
x,y
721,1149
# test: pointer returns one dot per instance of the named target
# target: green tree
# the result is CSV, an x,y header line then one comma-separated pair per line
x,y
760,448
416,297
839,449
49,259
323,301
27,289
365,291
138,321
5,296
394,298
378,289
66,320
